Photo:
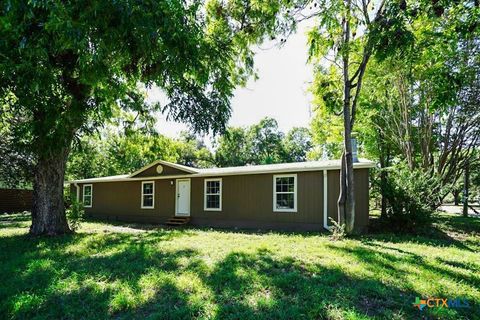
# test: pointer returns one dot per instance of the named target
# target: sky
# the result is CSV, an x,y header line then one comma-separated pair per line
x,y
280,92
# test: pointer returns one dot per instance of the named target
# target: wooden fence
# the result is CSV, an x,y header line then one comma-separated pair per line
x,y
15,200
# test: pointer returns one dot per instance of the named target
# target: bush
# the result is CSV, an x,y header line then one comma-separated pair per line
x,y
338,230
411,197
75,214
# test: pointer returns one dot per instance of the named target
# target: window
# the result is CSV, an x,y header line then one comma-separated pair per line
x,y
148,194
87,195
285,193
213,195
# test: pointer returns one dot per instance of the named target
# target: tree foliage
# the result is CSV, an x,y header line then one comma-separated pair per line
x,y
297,144
232,148
262,143
418,104
121,150
114,152
66,67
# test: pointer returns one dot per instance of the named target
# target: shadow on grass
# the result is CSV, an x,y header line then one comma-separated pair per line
x,y
377,261
16,220
144,226
289,289
446,230
127,276
250,231
80,275
144,275
457,225
380,261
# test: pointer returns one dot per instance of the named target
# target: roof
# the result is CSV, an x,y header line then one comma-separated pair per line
x,y
170,164
103,179
281,167
253,169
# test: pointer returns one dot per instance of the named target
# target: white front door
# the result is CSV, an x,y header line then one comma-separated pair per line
x,y
182,203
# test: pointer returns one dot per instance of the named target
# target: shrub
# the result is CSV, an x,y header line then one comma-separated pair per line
x,y
338,230
411,197
75,214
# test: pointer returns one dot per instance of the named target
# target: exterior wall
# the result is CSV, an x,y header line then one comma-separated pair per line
x,y
361,181
122,201
247,201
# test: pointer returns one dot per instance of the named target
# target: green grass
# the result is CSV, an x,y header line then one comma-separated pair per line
x,y
131,271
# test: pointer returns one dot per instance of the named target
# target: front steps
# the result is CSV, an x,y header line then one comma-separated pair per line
x,y
177,221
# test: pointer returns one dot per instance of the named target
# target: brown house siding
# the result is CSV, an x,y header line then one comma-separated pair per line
x,y
247,201
122,200
361,196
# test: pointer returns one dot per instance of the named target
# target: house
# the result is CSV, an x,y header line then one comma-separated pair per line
x,y
289,196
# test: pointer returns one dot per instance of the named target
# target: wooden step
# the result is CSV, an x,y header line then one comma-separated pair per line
x,y
173,223
177,221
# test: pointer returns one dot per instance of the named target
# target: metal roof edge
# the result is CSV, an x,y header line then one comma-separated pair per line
x,y
357,165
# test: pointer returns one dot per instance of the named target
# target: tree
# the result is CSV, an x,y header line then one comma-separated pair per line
x,y
232,148
351,32
118,150
418,94
466,187
191,151
265,142
424,103
297,144
262,143
475,182
68,66
326,126
89,158
15,164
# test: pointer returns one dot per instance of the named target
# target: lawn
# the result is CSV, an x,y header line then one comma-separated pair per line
x,y
127,271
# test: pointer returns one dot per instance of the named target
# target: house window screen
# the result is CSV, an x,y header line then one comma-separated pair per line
x,y
87,196
285,193
148,190
213,194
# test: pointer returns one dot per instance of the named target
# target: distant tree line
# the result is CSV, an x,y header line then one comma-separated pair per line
x,y
113,151
262,143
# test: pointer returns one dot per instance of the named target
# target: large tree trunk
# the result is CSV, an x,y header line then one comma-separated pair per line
x,y
456,197
48,214
343,192
350,199
384,163
346,200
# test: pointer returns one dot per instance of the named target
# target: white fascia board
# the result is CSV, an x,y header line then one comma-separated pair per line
x,y
358,165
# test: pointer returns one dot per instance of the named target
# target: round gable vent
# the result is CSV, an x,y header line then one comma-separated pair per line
x,y
159,169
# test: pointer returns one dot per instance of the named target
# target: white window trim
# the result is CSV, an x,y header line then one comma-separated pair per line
x,y
275,192
153,196
91,195
205,194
